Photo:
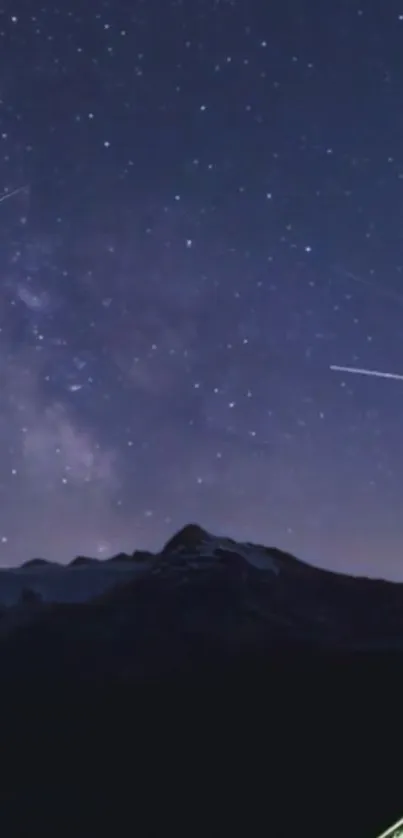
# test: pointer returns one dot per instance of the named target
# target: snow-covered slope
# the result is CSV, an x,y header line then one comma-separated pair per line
x,y
198,543
57,583
85,578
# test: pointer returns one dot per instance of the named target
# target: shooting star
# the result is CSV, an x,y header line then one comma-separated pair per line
x,y
370,283
7,195
375,373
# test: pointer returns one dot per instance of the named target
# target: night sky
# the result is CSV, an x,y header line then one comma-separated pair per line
x,y
207,214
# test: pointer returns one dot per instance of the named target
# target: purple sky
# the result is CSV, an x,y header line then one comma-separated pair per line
x,y
209,216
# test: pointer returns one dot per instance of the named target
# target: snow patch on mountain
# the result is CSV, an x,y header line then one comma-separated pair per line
x,y
56,583
256,556
194,541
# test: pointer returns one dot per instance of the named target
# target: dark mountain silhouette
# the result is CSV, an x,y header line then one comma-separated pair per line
x,y
203,601
278,683
37,563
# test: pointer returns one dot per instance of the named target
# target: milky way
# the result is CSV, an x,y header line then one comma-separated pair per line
x,y
200,211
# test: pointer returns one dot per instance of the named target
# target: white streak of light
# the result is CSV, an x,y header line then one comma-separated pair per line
x,y
375,373
391,832
7,195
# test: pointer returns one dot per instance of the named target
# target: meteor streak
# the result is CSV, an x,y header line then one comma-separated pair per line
x,y
375,373
7,195
370,283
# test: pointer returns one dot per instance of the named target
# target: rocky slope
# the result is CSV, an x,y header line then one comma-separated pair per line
x,y
203,601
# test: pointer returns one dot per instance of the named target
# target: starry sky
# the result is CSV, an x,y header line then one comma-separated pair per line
x,y
200,213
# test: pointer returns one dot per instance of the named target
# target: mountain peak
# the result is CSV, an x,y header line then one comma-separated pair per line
x,y
189,537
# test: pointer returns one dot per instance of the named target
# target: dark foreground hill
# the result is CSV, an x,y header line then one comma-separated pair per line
x,y
235,664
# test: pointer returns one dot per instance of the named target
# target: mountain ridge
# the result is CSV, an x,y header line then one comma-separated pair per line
x,y
190,536
202,600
